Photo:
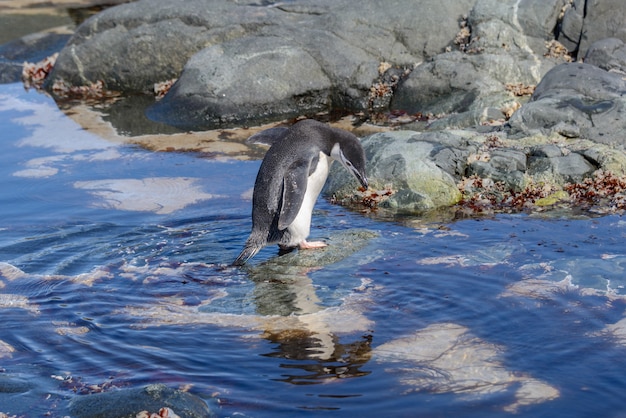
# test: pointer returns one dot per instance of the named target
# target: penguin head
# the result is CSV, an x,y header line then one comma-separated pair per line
x,y
351,155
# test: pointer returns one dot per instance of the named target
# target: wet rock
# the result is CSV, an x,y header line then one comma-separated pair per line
x,y
575,100
129,402
341,245
402,161
13,385
282,286
30,48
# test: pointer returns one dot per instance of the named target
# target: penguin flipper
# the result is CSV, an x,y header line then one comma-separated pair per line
x,y
268,136
294,189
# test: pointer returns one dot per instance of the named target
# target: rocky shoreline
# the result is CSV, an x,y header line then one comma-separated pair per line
x,y
497,102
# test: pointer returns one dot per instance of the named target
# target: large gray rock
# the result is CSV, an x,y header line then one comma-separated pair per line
x,y
251,80
132,46
401,161
295,57
608,54
603,19
576,100
327,60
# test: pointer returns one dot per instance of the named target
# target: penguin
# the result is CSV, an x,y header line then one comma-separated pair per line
x,y
291,178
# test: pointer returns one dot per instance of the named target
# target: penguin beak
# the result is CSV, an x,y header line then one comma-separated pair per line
x,y
363,180
337,154
359,176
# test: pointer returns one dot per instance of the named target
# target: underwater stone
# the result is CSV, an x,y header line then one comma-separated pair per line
x,y
129,402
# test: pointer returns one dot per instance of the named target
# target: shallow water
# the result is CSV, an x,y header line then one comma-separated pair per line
x,y
114,274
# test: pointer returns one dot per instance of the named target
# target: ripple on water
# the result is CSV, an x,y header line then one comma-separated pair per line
x,y
105,285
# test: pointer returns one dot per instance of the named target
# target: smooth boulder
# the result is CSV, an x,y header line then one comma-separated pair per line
x,y
576,100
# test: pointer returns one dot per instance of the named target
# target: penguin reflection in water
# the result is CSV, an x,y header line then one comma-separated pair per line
x,y
291,178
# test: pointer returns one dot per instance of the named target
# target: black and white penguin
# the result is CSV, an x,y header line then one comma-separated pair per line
x,y
291,178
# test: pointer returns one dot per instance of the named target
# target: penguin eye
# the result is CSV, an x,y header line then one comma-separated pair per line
x,y
348,163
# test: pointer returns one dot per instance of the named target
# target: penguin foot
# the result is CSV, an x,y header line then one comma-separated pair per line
x,y
305,245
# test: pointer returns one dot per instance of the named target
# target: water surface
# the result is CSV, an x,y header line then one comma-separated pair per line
x,y
114,273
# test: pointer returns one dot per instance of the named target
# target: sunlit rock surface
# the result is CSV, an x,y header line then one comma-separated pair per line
x,y
447,358
591,109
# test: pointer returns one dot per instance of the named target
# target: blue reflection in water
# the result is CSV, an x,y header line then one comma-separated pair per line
x,y
108,298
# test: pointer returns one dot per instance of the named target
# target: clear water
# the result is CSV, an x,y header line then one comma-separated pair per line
x,y
123,281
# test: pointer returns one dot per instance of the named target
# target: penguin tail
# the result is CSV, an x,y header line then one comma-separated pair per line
x,y
247,253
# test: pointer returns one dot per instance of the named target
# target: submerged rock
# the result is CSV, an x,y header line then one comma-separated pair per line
x,y
129,402
161,195
447,358
591,276
341,245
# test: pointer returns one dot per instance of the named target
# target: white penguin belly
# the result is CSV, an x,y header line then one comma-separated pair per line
x,y
301,226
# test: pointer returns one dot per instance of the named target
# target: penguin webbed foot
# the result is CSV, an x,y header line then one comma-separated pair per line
x,y
306,245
